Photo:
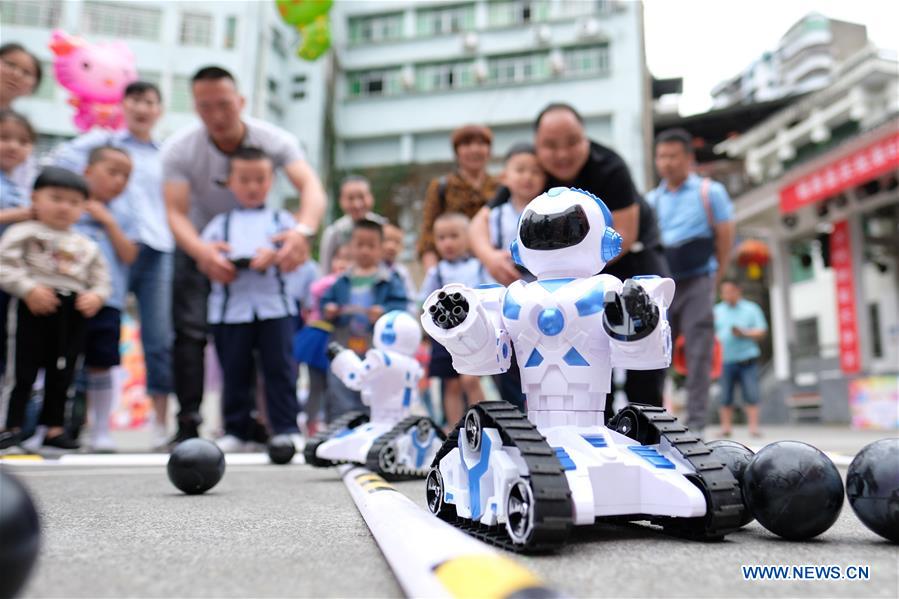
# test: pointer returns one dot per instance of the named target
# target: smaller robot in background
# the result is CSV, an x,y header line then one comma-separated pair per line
x,y
389,441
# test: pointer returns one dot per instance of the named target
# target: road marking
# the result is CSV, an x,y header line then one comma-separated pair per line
x,y
429,557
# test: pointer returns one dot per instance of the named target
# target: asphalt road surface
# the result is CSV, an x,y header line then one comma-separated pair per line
x,y
294,531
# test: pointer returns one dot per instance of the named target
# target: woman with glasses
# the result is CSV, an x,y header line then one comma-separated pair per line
x,y
20,73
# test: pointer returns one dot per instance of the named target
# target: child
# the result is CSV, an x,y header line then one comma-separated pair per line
x,y
254,311
525,180
109,222
357,299
310,343
455,266
393,244
16,142
356,201
57,279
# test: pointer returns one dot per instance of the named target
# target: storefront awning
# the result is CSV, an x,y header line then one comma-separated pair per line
x,y
866,163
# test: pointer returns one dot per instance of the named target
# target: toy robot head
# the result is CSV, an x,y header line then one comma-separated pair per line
x,y
565,233
397,331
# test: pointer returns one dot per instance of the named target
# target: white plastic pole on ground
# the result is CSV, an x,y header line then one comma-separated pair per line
x,y
429,557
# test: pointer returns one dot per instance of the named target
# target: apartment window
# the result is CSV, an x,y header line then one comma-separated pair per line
x,y
802,264
445,20
230,40
196,29
517,12
446,76
376,28
518,69
299,87
182,100
121,20
154,77
31,13
275,108
588,60
375,83
278,46
582,8
272,86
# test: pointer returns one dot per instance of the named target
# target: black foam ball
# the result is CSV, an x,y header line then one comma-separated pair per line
x,y
196,465
281,449
736,457
20,534
793,490
872,486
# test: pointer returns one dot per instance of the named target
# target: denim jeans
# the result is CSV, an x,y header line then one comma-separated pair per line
x,y
150,279
745,374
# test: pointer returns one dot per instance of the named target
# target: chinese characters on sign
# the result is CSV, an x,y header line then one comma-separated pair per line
x,y
847,323
859,167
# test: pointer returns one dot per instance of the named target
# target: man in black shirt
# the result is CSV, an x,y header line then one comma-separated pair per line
x,y
571,159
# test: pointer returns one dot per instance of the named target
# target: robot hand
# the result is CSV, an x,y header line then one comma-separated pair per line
x,y
449,310
630,315
333,350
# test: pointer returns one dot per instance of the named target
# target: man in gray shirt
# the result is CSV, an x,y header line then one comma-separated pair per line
x,y
195,164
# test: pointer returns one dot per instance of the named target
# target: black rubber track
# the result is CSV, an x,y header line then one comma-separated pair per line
x,y
373,462
648,425
552,497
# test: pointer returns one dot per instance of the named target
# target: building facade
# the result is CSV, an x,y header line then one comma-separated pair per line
x,y
408,73
805,60
825,198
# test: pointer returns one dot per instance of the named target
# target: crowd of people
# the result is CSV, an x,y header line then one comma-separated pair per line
x,y
184,226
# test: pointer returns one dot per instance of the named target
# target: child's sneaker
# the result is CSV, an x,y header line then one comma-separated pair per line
x,y
159,439
230,444
103,444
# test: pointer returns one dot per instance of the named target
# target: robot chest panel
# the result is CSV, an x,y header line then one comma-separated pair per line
x,y
555,312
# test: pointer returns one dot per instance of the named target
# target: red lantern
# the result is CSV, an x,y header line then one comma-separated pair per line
x,y
753,255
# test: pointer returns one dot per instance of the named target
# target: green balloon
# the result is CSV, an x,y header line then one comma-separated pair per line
x,y
316,39
302,12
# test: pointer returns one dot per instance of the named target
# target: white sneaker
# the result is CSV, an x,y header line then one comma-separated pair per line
x,y
159,440
230,444
103,443
36,441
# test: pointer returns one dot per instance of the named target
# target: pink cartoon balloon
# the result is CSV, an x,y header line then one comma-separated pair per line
x,y
97,75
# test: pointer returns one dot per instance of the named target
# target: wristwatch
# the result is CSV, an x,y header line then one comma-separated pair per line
x,y
304,230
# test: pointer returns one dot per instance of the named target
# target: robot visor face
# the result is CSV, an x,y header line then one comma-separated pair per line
x,y
554,231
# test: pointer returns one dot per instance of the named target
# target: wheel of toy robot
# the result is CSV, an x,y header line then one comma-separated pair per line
x,y
630,423
423,430
434,492
520,512
387,459
473,429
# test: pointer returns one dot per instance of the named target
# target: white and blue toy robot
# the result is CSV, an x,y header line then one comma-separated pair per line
x,y
389,441
521,482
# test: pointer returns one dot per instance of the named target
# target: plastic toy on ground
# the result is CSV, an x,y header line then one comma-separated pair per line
x,y
196,465
872,486
390,441
793,490
522,482
20,535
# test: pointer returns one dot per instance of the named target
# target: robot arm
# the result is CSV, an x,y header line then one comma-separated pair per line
x,y
347,366
637,324
469,324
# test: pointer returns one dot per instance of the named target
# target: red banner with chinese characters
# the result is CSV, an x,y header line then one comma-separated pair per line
x,y
862,165
847,321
